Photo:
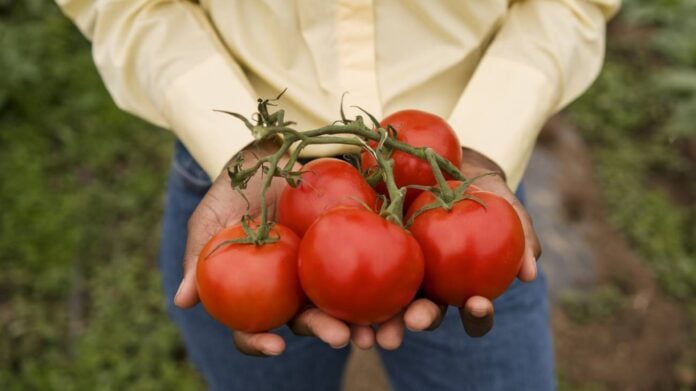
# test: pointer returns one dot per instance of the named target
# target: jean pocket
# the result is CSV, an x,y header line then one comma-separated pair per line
x,y
187,171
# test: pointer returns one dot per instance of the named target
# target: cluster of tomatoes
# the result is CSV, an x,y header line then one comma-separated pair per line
x,y
334,250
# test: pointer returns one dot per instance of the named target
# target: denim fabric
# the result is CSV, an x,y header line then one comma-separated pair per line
x,y
516,355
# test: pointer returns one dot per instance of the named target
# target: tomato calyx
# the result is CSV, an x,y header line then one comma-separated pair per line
x,y
446,195
256,237
447,200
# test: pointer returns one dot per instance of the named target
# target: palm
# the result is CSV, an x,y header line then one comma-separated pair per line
x,y
223,206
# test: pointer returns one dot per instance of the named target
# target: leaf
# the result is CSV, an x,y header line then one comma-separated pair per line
x,y
679,80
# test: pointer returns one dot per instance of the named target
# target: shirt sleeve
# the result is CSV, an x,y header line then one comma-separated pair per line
x,y
163,61
545,54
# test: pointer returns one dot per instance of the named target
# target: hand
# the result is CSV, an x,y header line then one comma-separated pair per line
x,y
477,313
476,164
222,207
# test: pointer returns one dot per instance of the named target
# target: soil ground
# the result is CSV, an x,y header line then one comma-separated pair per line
x,y
637,339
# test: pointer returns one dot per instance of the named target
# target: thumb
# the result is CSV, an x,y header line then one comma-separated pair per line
x,y
221,207
187,294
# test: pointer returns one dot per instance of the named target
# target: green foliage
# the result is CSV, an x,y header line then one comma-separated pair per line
x,y
673,28
81,192
639,119
602,303
564,384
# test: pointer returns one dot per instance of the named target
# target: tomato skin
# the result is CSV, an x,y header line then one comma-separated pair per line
x,y
358,267
420,129
470,250
326,183
247,287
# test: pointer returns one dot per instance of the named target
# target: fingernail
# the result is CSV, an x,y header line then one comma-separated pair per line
x,y
271,352
478,312
181,285
419,321
340,346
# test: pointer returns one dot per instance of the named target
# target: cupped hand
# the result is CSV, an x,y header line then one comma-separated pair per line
x,y
222,207
477,314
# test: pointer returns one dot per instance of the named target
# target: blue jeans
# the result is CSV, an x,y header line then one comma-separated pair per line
x,y
516,355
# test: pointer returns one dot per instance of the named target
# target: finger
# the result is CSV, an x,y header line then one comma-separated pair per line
x,y
390,334
187,294
528,269
362,336
314,322
531,239
259,344
477,316
423,314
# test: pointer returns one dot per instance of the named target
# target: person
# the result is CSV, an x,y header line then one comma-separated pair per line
x,y
496,70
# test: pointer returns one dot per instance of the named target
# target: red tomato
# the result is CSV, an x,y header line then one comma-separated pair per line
x,y
325,184
359,267
248,287
419,129
470,250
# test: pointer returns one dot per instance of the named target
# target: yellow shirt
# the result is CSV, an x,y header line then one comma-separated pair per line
x,y
496,69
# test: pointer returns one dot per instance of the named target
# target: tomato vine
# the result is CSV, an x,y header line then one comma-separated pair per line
x,y
271,125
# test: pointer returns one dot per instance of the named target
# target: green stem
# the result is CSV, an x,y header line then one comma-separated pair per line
x,y
264,227
360,130
294,156
271,125
445,191
393,212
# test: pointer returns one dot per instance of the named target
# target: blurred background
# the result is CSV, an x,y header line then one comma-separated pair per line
x,y
612,188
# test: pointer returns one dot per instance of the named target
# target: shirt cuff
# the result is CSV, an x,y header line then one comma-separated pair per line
x,y
501,112
211,137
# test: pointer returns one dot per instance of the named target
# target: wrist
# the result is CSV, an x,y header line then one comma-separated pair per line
x,y
475,163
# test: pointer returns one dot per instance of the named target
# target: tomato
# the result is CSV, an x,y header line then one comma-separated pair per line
x,y
248,287
470,250
359,267
325,183
419,129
